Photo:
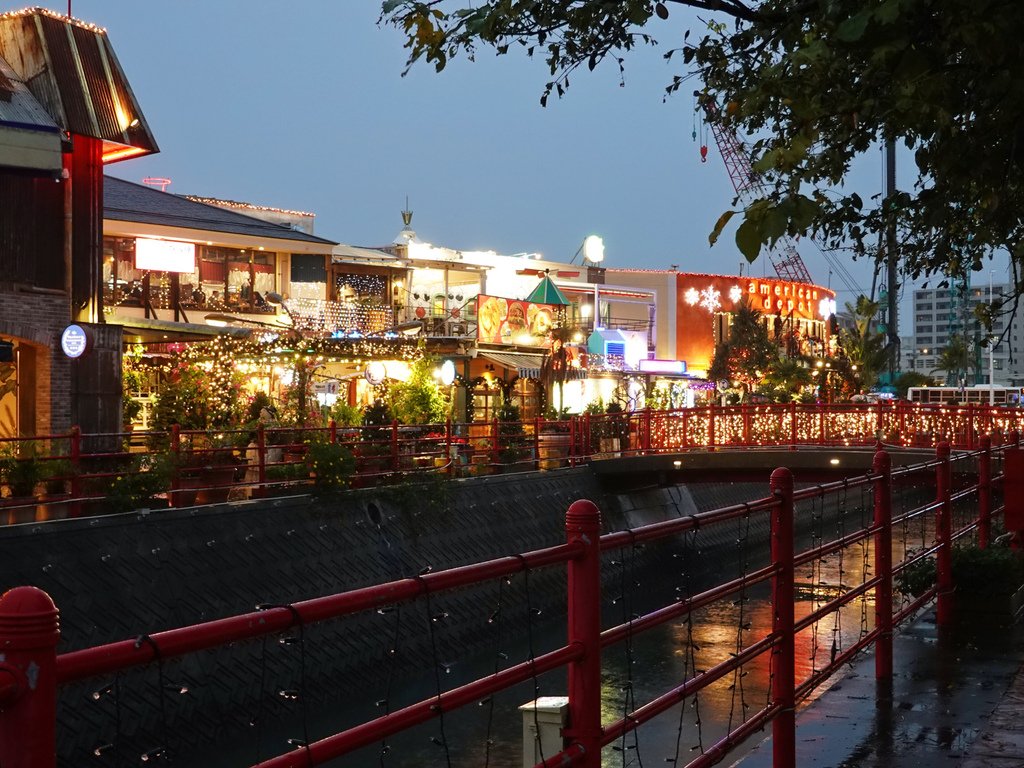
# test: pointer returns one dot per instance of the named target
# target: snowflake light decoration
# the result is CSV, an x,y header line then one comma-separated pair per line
x,y
827,307
710,299
691,296
735,294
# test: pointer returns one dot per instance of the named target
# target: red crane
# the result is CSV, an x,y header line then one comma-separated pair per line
x,y
784,257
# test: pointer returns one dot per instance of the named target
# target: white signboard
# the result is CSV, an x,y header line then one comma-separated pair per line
x,y
165,255
74,341
663,366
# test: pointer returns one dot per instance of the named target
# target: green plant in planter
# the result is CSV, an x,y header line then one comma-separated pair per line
x,y
136,486
23,472
513,443
332,466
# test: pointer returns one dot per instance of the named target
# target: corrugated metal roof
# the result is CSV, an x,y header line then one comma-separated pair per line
x,y
127,201
22,109
71,68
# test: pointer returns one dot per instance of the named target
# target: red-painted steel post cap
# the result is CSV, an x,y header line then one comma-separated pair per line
x,y
28,619
942,450
582,514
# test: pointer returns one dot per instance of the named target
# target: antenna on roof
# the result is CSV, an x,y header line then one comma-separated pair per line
x,y
156,181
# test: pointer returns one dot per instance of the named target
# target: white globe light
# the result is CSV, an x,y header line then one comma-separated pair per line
x,y
593,249
447,373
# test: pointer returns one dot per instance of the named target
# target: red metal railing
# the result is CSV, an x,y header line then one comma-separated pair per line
x,y
29,623
75,472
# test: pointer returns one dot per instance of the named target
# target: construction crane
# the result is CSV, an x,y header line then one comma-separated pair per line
x,y
784,257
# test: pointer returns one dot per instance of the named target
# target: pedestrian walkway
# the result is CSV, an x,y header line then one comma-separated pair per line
x,y
957,699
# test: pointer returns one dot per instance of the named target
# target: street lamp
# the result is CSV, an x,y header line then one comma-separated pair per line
x,y
991,350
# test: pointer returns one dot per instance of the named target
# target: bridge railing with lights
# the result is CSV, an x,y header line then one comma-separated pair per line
x,y
960,500
75,474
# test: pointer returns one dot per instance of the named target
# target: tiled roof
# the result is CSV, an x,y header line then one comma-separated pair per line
x,y
127,201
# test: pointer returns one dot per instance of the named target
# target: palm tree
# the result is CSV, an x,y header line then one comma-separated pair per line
x,y
955,360
863,348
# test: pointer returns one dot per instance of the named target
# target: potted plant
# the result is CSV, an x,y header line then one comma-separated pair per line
x,y
554,440
330,465
513,443
138,484
988,582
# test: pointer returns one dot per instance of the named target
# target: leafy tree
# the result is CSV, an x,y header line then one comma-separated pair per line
x,y
955,360
862,349
748,352
818,85
909,379
420,399
786,379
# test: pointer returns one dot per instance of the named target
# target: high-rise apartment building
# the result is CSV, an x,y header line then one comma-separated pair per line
x,y
939,314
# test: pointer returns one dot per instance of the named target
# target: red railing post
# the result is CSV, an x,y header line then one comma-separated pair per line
x,y
882,468
332,426
394,446
449,459
686,430
588,446
75,451
176,468
745,418
583,526
573,431
972,414
784,663
536,443
794,426
495,447
821,423
261,458
985,492
711,426
880,420
29,631
944,534
647,430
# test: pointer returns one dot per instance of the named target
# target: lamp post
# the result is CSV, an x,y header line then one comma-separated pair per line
x,y
991,352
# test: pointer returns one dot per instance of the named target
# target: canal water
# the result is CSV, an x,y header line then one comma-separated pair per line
x,y
634,672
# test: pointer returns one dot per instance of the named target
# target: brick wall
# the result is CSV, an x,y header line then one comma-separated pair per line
x,y
37,319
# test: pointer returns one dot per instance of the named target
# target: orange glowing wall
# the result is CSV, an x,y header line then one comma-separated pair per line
x,y
700,298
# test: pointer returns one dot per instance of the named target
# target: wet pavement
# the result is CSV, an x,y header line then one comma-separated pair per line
x,y
957,699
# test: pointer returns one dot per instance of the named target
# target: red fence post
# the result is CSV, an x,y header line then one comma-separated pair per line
x,y
711,426
261,459
821,423
745,418
794,426
536,443
75,452
985,492
29,631
944,534
972,414
176,468
784,663
583,525
879,420
496,448
573,431
448,457
394,445
882,468
647,430
588,448
332,425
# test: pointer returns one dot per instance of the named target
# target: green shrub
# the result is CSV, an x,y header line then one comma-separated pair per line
x,y
332,466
